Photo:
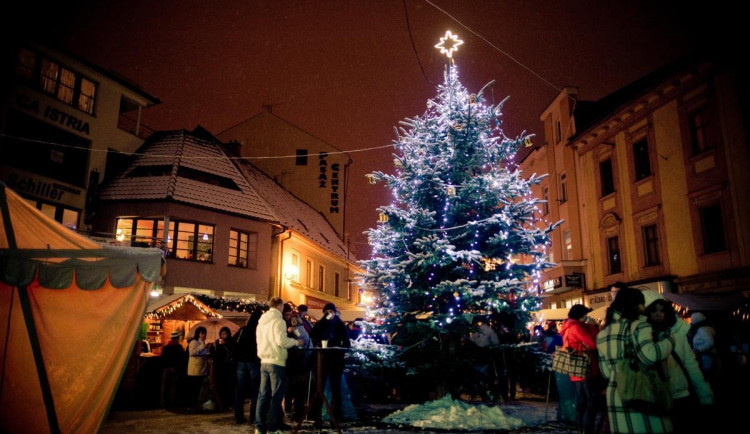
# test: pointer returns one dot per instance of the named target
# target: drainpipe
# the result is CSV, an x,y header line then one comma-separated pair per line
x,y
280,262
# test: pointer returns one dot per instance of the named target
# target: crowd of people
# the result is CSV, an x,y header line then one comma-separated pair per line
x,y
268,361
641,326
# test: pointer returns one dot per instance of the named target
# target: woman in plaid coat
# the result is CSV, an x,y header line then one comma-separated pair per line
x,y
627,309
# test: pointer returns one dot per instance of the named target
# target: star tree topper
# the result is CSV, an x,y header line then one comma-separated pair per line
x,y
452,44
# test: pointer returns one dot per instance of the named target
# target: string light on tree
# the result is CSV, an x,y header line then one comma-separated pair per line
x,y
459,238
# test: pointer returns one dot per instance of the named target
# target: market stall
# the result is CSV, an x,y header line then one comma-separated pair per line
x,y
177,312
71,309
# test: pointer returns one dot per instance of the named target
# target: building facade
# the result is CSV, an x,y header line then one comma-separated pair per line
x,y
662,173
313,170
561,286
65,124
230,229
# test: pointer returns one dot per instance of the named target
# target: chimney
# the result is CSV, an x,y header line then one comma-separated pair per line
x,y
233,148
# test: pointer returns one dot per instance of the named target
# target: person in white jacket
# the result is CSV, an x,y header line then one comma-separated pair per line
x,y
685,376
273,342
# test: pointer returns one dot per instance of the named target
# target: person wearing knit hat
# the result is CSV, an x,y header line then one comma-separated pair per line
x,y
682,369
580,335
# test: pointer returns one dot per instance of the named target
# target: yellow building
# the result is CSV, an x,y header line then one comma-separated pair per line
x,y
662,172
317,173
64,125
561,286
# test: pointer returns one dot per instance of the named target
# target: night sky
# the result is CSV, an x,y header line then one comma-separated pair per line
x,y
346,71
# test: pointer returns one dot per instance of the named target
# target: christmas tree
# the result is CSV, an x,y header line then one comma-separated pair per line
x,y
462,234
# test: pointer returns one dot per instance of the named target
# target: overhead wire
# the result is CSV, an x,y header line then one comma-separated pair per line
x,y
266,157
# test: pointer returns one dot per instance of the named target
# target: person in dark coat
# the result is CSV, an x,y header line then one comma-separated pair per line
x,y
330,328
225,371
245,355
173,358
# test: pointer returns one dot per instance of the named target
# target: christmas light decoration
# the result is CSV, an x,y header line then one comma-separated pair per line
x,y
448,44
460,237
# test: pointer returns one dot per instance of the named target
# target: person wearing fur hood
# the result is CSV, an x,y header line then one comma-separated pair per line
x,y
685,376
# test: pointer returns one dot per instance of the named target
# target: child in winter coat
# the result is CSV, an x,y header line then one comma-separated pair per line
x,y
682,369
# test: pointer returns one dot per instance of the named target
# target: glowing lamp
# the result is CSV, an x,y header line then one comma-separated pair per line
x,y
291,272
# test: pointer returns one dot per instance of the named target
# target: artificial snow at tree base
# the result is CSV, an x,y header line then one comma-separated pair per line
x,y
448,414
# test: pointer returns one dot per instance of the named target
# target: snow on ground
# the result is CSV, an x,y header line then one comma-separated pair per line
x,y
448,414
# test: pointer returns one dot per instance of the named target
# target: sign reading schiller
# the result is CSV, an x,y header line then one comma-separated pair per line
x,y
39,187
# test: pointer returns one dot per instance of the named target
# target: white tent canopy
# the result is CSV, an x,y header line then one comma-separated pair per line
x,y
70,310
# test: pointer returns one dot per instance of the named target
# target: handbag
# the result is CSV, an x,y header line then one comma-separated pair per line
x,y
568,361
642,388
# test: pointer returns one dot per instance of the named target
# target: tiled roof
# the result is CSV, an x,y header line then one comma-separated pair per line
x,y
176,150
294,213
169,153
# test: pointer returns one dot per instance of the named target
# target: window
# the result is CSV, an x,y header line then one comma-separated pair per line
x,y
321,278
641,159
606,177
545,193
68,217
563,188
613,255
336,283
56,80
567,245
243,247
87,96
349,291
651,245
185,240
558,132
295,267
301,157
699,124
308,274
26,63
712,228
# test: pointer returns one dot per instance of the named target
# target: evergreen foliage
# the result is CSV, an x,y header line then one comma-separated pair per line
x,y
461,236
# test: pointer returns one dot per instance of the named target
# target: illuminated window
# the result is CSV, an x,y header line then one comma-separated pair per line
x,y
567,245
185,240
242,249
56,80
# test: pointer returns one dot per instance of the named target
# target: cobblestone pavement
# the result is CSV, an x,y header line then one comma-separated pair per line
x,y
538,415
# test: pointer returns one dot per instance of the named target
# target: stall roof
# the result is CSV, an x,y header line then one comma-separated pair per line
x,y
550,314
698,302
165,304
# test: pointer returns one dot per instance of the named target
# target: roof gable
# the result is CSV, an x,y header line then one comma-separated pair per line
x,y
188,168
